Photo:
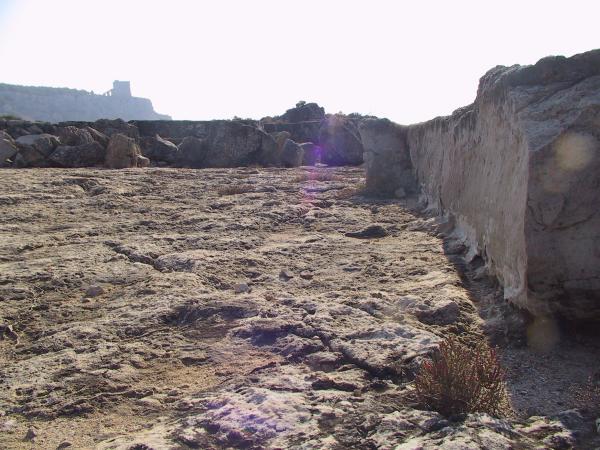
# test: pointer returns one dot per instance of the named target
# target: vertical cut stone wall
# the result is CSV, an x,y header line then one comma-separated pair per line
x,y
519,170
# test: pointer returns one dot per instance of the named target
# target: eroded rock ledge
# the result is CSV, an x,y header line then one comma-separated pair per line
x,y
519,173
304,135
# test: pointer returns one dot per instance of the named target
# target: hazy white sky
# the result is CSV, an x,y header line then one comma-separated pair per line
x,y
406,60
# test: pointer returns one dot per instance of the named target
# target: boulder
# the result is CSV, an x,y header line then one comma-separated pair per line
x,y
299,131
110,127
84,155
233,144
270,151
122,152
291,154
97,136
43,143
30,157
34,129
159,149
311,154
280,138
192,152
387,158
340,141
73,136
227,144
34,149
142,161
8,148
303,112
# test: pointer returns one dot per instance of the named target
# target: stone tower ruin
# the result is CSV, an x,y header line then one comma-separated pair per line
x,y
121,89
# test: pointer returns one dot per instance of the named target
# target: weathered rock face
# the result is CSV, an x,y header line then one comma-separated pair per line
x,y
232,144
60,104
387,158
70,135
311,154
84,155
304,113
8,148
34,149
340,140
519,170
159,149
110,127
299,132
280,137
122,152
291,154
226,143
176,130
192,152
97,136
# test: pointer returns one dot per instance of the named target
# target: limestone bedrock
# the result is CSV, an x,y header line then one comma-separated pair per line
x,y
519,172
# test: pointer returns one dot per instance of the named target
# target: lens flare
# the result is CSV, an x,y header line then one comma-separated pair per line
x,y
574,151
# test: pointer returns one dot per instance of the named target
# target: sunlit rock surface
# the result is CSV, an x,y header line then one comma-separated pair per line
x,y
519,171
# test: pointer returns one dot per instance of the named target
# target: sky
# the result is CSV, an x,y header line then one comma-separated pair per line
x,y
207,59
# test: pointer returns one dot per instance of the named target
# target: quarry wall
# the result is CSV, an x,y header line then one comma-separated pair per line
x,y
519,173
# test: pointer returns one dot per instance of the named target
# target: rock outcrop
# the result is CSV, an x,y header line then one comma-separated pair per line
x,y
232,143
387,159
122,152
519,173
34,149
61,104
159,149
332,140
191,152
299,132
341,143
70,135
292,154
84,155
8,148
303,112
311,154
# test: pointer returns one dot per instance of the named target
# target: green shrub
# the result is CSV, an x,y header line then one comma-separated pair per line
x,y
460,380
9,117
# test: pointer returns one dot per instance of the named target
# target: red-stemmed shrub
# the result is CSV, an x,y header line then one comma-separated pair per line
x,y
460,380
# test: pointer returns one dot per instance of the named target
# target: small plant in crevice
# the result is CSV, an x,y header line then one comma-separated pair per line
x,y
235,189
349,192
460,380
317,175
587,397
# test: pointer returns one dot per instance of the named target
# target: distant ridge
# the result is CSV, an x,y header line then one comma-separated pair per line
x,y
64,104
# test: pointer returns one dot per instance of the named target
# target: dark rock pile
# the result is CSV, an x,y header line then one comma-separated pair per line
x,y
303,135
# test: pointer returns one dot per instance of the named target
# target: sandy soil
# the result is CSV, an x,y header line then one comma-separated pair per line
x,y
185,308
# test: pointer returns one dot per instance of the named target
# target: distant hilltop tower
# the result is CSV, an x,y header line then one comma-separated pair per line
x,y
121,89
63,104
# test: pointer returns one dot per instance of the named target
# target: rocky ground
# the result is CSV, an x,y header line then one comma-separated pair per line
x,y
248,308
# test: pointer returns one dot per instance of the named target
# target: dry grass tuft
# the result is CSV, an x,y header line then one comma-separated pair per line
x,y
317,175
349,192
460,380
587,397
235,189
